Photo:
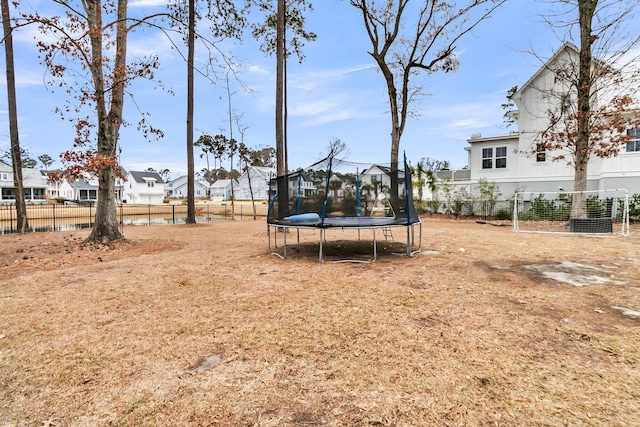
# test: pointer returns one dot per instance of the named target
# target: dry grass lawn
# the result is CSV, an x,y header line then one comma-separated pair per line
x,y
200,326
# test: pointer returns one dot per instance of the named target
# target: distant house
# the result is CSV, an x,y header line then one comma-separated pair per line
x,y
259,177
143,187
377,179
177,188
83,189
221,189
34,184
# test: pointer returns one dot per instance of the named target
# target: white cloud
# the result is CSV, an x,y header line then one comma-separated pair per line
x,y
329,116
257,69
25,78
468,123
157,43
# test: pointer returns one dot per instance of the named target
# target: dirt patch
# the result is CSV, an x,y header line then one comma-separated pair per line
x,y
200,325
24,254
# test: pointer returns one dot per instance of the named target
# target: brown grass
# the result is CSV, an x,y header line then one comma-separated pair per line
x,y
199,325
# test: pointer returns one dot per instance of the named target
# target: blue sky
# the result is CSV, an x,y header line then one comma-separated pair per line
x,y
336,92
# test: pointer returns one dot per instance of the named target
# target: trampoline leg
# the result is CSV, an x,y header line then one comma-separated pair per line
x,y
269,238
408,241
284,237
320,252
375,246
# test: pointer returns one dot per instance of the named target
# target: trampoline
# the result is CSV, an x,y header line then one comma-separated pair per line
x,y
336,194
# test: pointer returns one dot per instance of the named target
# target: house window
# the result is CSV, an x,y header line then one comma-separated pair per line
x,y
501,157
8,194
4,177
150,184
634,142
487,158
541,153
88,194
38,193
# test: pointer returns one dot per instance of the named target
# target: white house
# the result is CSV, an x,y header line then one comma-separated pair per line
x,y
379,177
34,183
221,189
259,177
143,187
83,189
177,189
516,162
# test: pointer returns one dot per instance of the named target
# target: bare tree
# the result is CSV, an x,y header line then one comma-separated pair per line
x,y
85,52
409,38
595,88
16,161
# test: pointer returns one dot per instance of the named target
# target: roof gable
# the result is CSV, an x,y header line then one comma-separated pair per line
x,y
567,47
144,176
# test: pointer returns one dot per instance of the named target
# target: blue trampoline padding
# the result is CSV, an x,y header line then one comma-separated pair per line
x,y
303,217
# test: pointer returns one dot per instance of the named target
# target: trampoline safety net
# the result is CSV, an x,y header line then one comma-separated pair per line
x,y
339,193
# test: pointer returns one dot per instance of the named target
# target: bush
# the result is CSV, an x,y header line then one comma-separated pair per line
x,y
503,214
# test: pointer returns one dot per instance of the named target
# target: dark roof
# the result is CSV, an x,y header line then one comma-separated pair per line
x,y
139,176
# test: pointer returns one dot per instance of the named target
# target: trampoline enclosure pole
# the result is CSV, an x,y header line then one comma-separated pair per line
x,y
299,188
357,192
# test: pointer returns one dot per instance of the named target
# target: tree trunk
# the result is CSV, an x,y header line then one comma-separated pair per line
x,y
281,162
586,10
394,198
21,209
105,227
191,207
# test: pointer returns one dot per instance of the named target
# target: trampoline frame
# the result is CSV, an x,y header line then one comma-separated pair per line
x,y
323,222
284,226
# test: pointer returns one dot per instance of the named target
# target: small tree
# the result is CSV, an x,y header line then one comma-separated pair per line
x,y
489,192
85,52
244,155
205,143
46,161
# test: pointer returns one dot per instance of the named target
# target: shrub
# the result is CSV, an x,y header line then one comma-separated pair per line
x,y
503,214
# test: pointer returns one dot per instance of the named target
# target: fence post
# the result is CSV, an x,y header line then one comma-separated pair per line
x,y
90,214
148,214
121,218
173,213
53,210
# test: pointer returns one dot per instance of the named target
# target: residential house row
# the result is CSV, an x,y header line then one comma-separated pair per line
x,y
139,187
145,187
509,160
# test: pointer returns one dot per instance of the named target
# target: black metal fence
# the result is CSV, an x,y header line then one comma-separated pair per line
x,y
61,217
